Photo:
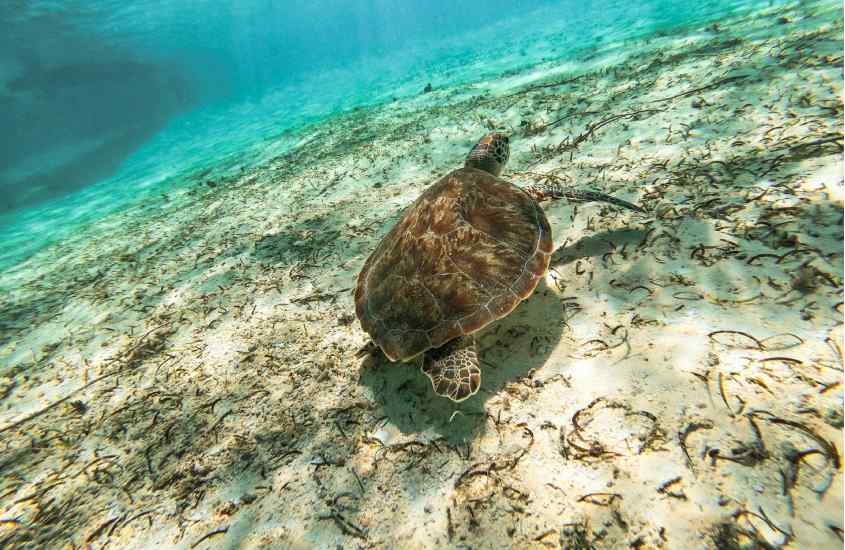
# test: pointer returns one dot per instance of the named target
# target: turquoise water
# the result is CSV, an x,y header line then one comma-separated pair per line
x,y
107,104
197,196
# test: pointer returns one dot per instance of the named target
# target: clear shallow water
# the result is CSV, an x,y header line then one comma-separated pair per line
x,y
188,374
109,103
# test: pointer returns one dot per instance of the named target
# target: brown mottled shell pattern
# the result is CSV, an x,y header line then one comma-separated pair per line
x,y
464,254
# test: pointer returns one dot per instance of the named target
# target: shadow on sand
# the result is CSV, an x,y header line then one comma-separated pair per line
x,y
511,350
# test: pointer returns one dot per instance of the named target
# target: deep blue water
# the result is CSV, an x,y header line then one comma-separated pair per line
x,y
104,102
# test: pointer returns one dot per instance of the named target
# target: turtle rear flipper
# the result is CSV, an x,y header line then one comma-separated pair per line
x,y
453,369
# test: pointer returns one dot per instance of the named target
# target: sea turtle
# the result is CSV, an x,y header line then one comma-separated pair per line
x,y
463,255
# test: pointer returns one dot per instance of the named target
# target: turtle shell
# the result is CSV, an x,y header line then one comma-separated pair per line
x,y
463,255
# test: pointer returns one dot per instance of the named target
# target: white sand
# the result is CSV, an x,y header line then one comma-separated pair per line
x,y
675,382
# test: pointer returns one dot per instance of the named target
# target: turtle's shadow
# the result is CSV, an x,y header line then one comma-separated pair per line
x,y
597,245
511,349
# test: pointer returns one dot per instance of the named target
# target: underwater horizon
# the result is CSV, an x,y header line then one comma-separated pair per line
x,y
393,274
109,105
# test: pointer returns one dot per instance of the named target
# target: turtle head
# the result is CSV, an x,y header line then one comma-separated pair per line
x,y
490,153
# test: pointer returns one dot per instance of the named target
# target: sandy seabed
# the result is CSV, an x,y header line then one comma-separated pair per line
x,y
184,374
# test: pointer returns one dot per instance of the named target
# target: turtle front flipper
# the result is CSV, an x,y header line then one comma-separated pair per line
x,y
453,369
555,191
